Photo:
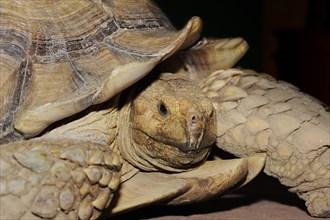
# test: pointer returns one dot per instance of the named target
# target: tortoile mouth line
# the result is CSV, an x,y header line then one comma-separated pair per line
x,y
185,148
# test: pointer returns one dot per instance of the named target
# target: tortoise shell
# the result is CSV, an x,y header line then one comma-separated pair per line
x,y
59,57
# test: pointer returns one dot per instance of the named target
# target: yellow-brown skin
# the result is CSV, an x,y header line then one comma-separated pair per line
x,y
172,125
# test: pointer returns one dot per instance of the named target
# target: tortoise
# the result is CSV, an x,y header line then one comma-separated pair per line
x,y
106,107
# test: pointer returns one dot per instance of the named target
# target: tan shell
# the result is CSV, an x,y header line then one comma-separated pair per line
x,y
57,59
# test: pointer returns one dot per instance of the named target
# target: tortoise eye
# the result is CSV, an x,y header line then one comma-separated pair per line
x,y
162,109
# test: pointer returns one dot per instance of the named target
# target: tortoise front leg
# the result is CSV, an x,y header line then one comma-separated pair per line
x,y
56,179
256,114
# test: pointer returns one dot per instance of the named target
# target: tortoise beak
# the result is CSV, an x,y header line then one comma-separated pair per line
x,y
195,131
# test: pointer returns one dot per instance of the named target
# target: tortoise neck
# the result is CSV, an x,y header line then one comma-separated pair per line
x,y
127,147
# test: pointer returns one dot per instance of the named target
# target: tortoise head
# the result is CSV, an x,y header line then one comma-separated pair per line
x,y
171,125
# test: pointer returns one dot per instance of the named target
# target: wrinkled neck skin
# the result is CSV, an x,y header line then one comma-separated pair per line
x,y
169,125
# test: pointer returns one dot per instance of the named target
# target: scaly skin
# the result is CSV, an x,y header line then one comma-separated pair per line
x,y
57,179
255,114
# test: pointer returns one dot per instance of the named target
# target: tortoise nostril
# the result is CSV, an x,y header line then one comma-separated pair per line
x,y
194,119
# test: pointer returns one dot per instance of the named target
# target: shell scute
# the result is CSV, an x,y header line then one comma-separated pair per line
x,y
62,58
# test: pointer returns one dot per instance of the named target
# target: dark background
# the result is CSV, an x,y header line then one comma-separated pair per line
x,y
234,18
289,39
